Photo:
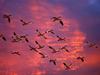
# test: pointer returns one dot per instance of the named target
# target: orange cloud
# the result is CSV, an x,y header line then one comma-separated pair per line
x,y
41,14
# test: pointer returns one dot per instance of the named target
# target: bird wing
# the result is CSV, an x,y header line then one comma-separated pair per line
x,y
26,40
44,37
4,38
42,55
50,47
61,22
36,42
15,34
9,20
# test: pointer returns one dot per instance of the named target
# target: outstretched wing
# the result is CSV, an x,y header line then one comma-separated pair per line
x,y
61,22
26,40
36,42
4,38
9,20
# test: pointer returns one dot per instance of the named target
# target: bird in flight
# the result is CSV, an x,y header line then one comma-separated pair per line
x,y
58,19
80,58
24,23
53,61
64,48
16,53
51,31
16,38
39,46
8,17
2,36
60,38
53,49
67,66
41,34
32,48
24,37
93,45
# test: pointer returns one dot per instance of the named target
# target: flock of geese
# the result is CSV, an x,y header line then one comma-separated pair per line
x,y
18,38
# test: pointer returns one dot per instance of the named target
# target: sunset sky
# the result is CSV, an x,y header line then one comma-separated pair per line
x,y
81,20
